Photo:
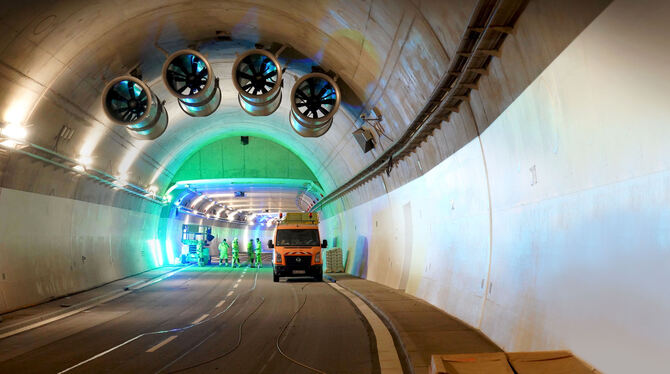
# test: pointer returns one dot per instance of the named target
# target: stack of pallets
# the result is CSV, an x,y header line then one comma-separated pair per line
x,y
334,263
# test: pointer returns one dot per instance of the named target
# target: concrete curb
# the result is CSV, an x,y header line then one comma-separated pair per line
x,y
46,318
406,362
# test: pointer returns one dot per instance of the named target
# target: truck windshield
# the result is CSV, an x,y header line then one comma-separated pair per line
x,y
304,237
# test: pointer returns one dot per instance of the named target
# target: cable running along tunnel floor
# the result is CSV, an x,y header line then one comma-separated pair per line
x,y
208,320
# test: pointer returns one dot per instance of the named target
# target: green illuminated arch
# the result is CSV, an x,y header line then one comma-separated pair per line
x,y
229,158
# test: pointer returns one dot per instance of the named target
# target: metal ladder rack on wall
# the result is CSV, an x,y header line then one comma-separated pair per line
x,y
489,25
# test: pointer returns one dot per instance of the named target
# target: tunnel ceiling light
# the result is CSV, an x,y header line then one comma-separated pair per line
x,y
122,180
190,78
14,135
315,99
152,190
257,77
14,131
129,102
85,161
208,207
197,200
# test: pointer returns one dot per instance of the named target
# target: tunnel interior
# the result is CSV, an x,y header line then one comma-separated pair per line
x,y
504,162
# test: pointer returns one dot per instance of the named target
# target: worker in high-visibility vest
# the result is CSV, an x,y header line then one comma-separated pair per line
x,y
250,252
259,252
223,252
236,253
199,252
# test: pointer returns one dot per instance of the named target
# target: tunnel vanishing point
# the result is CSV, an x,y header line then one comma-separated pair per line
x,y
483,186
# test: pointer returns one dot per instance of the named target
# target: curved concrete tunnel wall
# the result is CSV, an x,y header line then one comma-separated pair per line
x,y
551,230
53,246
572,260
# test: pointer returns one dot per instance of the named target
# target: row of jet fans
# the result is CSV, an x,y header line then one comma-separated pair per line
x,y
257,76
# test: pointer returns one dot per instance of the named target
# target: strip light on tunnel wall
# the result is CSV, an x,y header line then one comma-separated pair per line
x,y
67,163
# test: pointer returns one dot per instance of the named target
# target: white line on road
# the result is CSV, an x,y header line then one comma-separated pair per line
x,y
236,284
220,303
153,333
388,356
238,281
112,296
165,341
229,293
202,317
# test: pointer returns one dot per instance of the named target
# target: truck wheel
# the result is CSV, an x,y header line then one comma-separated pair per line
x,y
275,277
318,277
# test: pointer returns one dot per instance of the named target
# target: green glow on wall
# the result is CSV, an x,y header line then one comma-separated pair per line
x,y
228,158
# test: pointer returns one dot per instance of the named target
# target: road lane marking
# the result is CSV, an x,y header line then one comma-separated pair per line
x,y
229,293
238,281
165,341
89,304
92,358
202,317
220,303
236,284
389,361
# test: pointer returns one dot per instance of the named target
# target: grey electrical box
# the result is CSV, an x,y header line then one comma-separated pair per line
x,y
365,139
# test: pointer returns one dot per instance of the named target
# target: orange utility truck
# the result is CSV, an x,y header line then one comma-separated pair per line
x,y
297,247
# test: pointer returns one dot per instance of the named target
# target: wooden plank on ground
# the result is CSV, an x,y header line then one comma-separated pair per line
x,y
548,362
470,363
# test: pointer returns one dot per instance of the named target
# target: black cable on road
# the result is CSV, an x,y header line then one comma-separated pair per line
x,y
284,330
239,341
233,349
179,329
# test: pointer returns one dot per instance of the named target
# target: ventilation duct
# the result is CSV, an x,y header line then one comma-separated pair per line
x,y
129,102
315,99
257,77
190,78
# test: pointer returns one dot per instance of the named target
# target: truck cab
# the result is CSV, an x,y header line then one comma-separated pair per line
x,y
297,247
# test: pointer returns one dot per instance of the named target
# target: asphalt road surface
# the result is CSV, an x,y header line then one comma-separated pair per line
x,y
203,320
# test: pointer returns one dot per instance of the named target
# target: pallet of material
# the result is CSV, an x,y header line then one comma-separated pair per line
x,y
548,362
475,363
334,263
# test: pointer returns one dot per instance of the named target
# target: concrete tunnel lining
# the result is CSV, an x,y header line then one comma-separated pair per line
x,y
537,216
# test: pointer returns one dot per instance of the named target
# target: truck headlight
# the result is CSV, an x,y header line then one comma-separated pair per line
x,y
278,257
317,258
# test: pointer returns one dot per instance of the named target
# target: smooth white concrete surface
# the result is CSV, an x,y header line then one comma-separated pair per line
x,y
52,246
579,175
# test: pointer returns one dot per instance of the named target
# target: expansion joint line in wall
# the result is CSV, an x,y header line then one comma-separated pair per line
x,y
481,41
487,289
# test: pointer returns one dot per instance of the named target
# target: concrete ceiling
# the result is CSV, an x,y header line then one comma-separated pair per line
x,y
237,199
57,57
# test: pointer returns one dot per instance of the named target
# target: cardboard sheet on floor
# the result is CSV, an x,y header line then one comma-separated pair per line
x,y
549,362
474,363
